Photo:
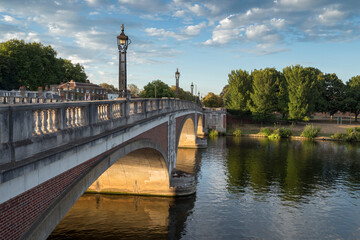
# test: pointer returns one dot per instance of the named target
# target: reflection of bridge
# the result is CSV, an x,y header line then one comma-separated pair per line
x,y
52,153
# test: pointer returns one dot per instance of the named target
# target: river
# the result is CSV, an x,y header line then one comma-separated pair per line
x,y
247,188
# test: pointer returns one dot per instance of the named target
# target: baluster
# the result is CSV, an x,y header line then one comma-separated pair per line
x,y
51,120
34,123
39,122
68,119
44,121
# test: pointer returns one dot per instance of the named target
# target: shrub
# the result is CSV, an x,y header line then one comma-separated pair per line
x,y
349,130
275,135
357,129
310,131
340,136
237,133
266,131
284,132
213,133
354,136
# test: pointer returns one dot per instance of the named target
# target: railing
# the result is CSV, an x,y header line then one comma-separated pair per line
x,y
19,100
27,129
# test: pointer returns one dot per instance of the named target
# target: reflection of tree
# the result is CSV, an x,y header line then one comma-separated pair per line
x,y
297,168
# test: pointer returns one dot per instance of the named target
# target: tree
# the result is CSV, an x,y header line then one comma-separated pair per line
x,y
134,90
352,100
264,93
109,87
32,65
158,88
332,94
8,73
238,94
223,92
212,100
186,95
71,71
302,90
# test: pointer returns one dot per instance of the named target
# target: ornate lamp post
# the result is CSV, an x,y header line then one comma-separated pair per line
x,y
199,96
123,42
192,89
177,76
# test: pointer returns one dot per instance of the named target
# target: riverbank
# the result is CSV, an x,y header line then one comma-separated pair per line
x,y
327,129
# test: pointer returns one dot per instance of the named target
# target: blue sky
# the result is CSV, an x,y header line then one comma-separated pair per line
x,y
204,39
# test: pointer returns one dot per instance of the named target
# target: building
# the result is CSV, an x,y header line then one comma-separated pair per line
x,y
79,91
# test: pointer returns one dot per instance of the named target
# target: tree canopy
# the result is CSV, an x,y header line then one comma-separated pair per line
x,y
33,65
158,89
264,92
212,100
238,93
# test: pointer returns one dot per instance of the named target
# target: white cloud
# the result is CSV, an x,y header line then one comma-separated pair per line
x,y
331,16
77,59
8,18
278,23
194,29
162,33
256,32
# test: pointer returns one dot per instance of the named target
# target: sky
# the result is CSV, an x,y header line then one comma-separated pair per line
x,y
204,39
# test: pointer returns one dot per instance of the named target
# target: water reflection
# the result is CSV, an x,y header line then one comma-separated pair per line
x,y
246,189
291,169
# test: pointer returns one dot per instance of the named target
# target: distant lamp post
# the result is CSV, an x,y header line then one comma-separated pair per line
x,y
177,76
192,89
123,42
199,96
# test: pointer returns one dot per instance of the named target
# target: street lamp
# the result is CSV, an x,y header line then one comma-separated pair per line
x,y
177,76
192,88
123,42
199,96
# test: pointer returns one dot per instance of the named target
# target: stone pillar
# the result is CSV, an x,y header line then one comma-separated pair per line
x,y
171,143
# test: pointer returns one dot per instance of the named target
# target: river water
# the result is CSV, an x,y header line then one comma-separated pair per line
x,y
247,188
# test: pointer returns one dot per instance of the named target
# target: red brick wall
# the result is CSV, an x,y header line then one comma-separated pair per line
x,y
20,212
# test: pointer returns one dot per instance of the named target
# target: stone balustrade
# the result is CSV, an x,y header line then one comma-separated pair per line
x,y
30,129
20,100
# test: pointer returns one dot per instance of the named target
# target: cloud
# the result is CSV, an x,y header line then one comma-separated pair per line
x,y
331,16
194,30
162,33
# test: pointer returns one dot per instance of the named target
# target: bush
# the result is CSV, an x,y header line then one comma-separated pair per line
x,y
237,133
349,130
340,136
310,131
354,136
213,133
285,133
275,135
357,129
266,131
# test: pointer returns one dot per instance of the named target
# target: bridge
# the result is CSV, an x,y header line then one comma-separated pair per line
x,y
51,153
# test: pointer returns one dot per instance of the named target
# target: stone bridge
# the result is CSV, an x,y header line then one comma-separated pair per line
x,y
51,153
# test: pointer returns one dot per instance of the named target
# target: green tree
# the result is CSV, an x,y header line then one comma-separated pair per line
x,y
33,65
212,100
352,99
161,88
8,73
282,95
72,71
134,90
108,87
186,95
302,91
238,94
332,94
264,93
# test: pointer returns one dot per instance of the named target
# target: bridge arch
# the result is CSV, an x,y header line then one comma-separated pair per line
x,y
53,215
200,129
186,133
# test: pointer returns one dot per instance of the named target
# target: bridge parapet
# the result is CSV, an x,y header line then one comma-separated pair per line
x,y
28,129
